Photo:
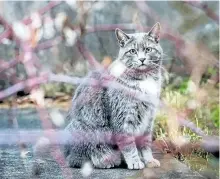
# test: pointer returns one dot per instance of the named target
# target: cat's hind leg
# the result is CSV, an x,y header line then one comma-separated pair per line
x,y
105,156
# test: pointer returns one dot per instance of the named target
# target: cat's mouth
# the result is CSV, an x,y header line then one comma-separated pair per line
x,y
144,68
142,65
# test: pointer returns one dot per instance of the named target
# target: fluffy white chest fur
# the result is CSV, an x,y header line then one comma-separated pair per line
x,y
150,86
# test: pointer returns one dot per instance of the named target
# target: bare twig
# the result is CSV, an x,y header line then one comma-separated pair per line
x,y
6,65
30,83
43,10
8,33
48,44
204,7
88,55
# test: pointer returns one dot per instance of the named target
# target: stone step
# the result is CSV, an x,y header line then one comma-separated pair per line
x,y
14,166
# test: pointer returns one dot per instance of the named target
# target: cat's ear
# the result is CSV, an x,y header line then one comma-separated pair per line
x,y
121,37
155,32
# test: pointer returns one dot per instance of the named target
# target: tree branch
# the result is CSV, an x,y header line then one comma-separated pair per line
x,y
204,7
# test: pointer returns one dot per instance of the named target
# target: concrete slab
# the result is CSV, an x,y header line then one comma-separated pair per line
x,y
13,166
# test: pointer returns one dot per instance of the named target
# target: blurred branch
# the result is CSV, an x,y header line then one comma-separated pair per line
x,y
83,15
6,65
209,143
49,133
88,55
43,10
37,96
204,7
142,5
48,44
147,10
64,79
4,22
5,34
7,28
109,27
112,27
29,83
184,122
136,20
188,51
8,32
11,77
33,81
108,81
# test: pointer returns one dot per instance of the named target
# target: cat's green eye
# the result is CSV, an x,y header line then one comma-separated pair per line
x,y
133,51
148,49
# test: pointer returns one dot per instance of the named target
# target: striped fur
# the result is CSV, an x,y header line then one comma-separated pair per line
x,y
120,125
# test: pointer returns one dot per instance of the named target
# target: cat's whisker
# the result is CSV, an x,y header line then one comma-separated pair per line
x,y
165,53
166,59
161,67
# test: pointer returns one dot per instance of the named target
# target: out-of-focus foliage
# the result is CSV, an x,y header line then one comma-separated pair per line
x,y
205,112
215,115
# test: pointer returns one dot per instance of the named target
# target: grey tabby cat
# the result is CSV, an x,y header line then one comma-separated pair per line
x,y
127,121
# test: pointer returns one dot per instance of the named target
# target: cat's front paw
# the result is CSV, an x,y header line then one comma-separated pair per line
x,y
152,163
135,164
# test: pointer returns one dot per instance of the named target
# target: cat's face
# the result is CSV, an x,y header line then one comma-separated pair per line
x,y
140,51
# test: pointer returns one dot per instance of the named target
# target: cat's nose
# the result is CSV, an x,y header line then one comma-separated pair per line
x,y
142,59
